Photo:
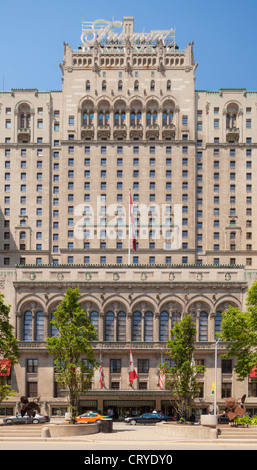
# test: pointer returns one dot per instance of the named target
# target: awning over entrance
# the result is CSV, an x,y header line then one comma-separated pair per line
x,y
129,403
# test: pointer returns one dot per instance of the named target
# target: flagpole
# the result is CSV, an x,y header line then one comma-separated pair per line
x,y
129,231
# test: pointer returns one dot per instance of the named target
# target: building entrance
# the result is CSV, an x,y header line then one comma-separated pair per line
x,y
123,408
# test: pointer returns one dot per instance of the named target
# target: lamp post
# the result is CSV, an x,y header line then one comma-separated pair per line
x,y
215,378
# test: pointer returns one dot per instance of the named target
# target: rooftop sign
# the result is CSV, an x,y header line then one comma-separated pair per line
x,y
105,32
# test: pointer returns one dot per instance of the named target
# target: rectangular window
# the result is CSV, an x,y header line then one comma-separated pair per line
x,y
32,365
32,389
143,366
226,366
115,366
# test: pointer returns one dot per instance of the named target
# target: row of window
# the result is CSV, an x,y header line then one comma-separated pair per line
x,y
136,85
142,327
229,124
136,150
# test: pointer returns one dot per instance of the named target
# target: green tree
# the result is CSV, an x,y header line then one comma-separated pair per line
x,y
8,350
74,359
239,330
181,371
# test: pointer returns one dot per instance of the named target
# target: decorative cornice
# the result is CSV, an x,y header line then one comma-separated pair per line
x,y
130,266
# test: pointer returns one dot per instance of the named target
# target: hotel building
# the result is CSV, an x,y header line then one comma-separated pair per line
x,y
128,120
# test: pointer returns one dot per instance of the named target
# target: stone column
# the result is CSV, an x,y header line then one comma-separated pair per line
x,y
129,326
46,325
115,311
33,324
143,310
18,326
112,121
176,122
142,324
101,326
197,323
79,118
211,329
144,122
156,325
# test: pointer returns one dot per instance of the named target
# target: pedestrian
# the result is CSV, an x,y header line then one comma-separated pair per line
x,y
110,413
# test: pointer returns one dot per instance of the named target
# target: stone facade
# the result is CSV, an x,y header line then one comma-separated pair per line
x,y
127,120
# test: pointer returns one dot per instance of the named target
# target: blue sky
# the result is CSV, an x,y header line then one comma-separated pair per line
x,y
224,33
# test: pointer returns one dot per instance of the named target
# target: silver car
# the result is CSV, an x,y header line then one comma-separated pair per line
x,y
18,419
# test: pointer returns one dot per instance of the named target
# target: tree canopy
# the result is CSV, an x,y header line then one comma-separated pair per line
x,y
181,371
8,350
74,359
239,330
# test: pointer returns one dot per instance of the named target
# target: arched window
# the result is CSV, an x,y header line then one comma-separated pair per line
x,y
168,85
25,121
167,118
148,333
39,326
109,326
203,326
176,317
54,330
103,85
218,319
121,326
107,118
123,117
88,118
132,118
22,235
27,335
101,118
116,118
152,85
94,320
164,326
87,85
136,85
193,316
120,85
136,326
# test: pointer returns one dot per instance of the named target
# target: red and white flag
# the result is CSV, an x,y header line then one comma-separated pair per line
x,y
101,372
133,230
132,372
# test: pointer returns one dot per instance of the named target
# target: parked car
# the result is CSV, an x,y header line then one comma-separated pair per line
x,y
223,419
148,418
18,419
90,417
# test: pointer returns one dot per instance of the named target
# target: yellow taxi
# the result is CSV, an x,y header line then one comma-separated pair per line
x,y
90,417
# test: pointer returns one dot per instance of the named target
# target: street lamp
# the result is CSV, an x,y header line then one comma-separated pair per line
x,y
215,378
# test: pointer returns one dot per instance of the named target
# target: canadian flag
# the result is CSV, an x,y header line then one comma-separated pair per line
x,y
131,211
132,372
101,372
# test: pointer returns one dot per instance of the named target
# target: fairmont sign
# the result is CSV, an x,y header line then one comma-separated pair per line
x,y
100,31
